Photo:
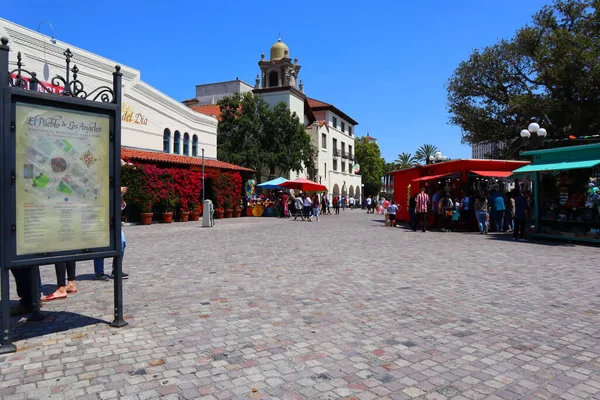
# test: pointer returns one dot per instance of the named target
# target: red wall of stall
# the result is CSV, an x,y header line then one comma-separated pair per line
x,y
460,168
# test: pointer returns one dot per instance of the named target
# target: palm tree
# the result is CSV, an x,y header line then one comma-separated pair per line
x,y
405,160
424,152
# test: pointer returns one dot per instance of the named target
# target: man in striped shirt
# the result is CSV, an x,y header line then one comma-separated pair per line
x,y
421,209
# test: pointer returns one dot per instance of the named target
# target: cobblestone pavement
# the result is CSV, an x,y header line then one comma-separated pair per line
x,y
343,308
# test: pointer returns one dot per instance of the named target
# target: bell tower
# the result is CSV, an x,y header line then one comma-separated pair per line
x,y
279,70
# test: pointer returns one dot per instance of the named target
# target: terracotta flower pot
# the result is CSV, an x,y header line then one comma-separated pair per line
x,y
195,216
237,213
229,213
167,217
219,214
146,218
185,216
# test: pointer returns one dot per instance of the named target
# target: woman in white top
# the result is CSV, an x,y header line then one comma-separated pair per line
x,y
307,204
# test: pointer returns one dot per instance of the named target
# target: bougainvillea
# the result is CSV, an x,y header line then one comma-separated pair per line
x,y
135,179
169,188
227,190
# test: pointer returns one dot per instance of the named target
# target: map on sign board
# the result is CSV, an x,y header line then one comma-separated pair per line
x,y
62,165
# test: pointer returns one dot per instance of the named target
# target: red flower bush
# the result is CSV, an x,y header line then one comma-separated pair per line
x,y
172,187
227,189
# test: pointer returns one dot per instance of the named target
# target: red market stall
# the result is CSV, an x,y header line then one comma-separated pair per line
x,y
455,176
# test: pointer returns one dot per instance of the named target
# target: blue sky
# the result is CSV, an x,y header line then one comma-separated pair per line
x,y
383,63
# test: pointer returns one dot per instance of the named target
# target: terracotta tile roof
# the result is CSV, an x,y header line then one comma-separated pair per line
x,y
128,154
313,103
321,123
370,137
208,109
190,101
318,105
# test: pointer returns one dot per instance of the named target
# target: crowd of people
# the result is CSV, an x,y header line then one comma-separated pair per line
x,y
309,206
494,211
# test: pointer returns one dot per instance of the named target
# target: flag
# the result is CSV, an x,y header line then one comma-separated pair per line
x,y
356,168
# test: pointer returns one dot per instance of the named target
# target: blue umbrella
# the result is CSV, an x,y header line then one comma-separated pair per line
x,y
273,184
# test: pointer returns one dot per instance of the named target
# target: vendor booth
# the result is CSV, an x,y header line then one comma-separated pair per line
x,y
566,192
455,176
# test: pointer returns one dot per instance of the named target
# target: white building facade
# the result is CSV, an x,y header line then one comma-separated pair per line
x,y
151,120
331,130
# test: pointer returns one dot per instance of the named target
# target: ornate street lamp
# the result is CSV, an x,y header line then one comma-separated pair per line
x,y
534,129
437,157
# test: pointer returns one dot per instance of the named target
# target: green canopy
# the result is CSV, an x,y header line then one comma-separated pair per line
x,y
557,166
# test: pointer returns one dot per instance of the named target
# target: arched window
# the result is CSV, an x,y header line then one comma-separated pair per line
x,y
186,144
167,141
176,142
195,146
273,79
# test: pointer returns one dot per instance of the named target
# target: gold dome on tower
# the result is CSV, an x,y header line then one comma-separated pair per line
x,y
279,50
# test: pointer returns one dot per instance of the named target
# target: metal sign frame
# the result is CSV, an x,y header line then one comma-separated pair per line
x,y
28,90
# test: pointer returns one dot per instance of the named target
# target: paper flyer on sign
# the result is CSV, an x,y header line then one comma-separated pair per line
x,y
62,177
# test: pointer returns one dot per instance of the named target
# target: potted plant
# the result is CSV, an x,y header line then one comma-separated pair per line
x,y
237,211
228,203
167,201
219,213
195,211
184,213
146,214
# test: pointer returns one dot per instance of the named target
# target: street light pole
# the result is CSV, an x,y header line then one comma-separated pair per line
x,y
202,177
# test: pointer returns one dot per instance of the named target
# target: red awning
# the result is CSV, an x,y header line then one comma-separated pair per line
x,y
304,185
430,177
493,174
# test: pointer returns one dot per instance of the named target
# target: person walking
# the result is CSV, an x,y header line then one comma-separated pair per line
x,y
496,201
509,214
369,203
284,205
392,210
421,208
521,213
412,214
307,207
336,204
99,262
435,200
299,207
343,203
445,207
324,203
466,210
291,204
481,213
315,206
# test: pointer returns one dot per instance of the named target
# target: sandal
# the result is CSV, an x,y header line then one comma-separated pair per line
x,y
52,296
71,291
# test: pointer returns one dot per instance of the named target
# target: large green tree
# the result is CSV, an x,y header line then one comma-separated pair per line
x,y
255,136
368,155
550,70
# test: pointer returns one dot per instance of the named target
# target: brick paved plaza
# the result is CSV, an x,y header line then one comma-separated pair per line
x,y
269,308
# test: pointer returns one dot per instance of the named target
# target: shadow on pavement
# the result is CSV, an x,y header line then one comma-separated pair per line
x,y
543,242
53,322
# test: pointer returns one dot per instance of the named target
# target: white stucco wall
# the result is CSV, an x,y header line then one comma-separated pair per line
x,y
157,111
295,103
